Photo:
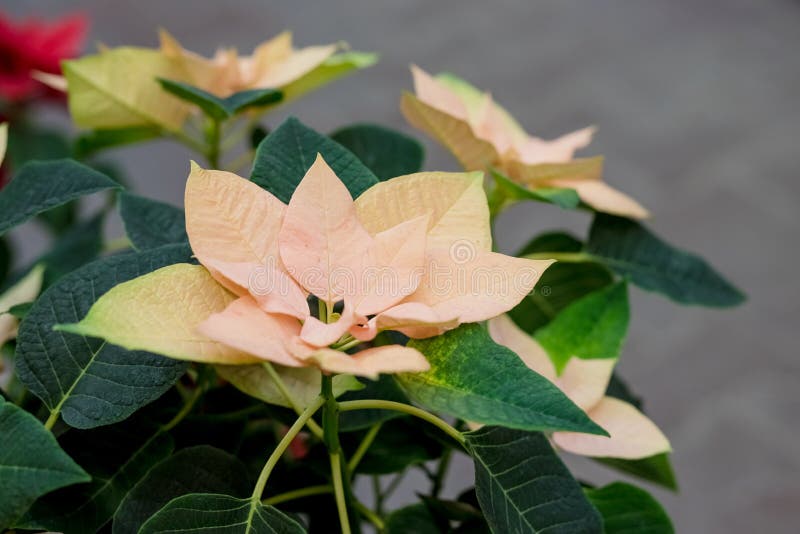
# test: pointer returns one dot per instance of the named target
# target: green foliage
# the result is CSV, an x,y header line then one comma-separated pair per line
x,y
116,457
626,508
523,486
387,153
511,191
150,223
206,512
218,108
385,388
5,259
412,519
31,463
43,185
592,327
200,469
91,383
656,469
474,378
284,156
400,443
634,252
94,141
560,285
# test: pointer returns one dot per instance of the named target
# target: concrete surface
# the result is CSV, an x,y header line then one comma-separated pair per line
x,y
699,119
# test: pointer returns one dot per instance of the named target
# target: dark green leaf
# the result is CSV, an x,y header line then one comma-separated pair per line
x,y
523,486
150,223
31,463
116,457
592,327
385,388
221,108
561,197
285,155
194,470
28,141
551,242
413,519
657,469
474,378
206,512
387,153
43,185
89,382
627,509
634,252
78,246
90,143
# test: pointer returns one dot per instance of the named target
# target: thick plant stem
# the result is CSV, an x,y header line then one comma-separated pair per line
x,y
339,491
441,472
330,428
405,408
283,445
273,374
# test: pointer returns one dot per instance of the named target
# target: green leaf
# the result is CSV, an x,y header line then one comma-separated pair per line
x,y
592,327
31,463
116,457
29,141
561,197
92,383
5,260
412,519
92,142
150,223
631,250
551,242
285,155
561,284
218,108
42,185
78,246
523,486
475,379
206,512
20,310
387,153
656,469
197,469
627,509
303,383
333,68
385,388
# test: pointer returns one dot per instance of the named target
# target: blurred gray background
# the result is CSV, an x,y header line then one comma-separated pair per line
x,y
697,107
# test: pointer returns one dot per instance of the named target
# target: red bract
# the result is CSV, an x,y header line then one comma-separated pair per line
x,y
36,45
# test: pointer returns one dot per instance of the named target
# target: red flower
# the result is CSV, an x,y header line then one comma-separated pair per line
x,y
36,45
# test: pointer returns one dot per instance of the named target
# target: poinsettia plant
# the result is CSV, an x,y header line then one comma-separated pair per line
x,y
322,311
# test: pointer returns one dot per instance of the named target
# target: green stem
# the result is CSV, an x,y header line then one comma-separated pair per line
x,y
371,516
187,140
347,345
273,374
298,494
339,491
213,138
363,447
348,406
203,377
281,448
568,257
